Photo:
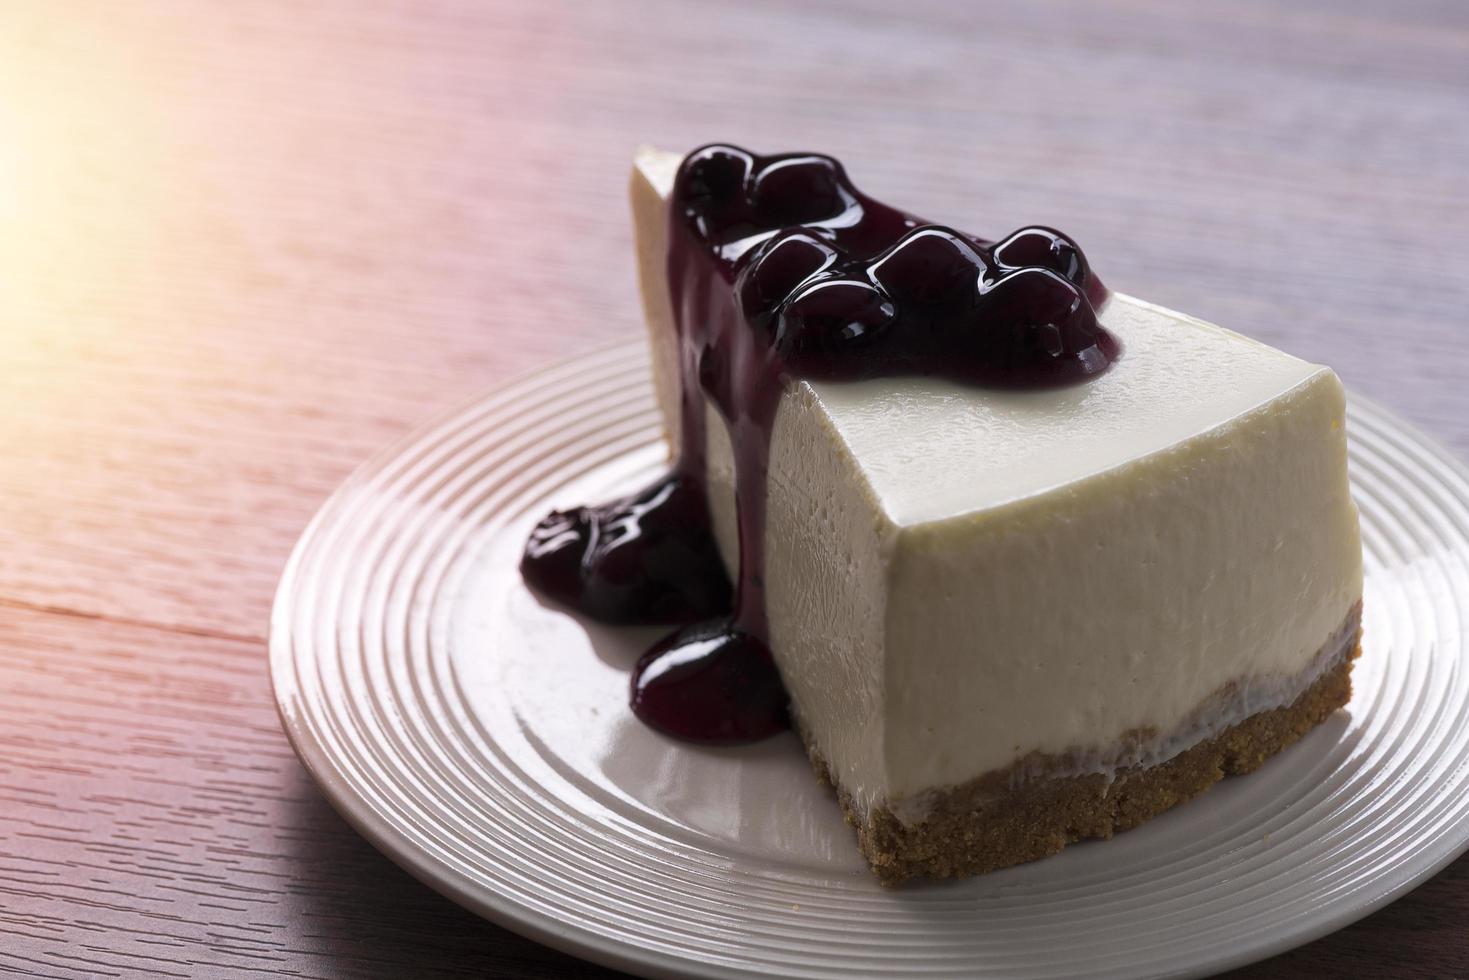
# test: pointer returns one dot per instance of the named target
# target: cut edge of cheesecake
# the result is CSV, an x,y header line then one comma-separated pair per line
x,y
1041,804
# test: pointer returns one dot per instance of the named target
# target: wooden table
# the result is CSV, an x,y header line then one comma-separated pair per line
x,y
242,245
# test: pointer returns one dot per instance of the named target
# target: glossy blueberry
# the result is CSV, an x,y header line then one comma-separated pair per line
x,y
1042,247
931,266
795,190
826,326
1036,327
714,177
647,558
710,683
773,273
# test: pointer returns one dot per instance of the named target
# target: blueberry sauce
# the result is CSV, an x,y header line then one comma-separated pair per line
x,y
780,269
647,558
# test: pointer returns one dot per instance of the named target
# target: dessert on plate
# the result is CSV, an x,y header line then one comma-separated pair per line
x,y
1022,561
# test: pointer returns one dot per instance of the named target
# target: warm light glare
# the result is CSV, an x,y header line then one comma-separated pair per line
x,y
12,170
83,179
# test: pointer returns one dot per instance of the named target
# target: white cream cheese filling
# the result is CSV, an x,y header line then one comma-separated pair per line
x,y
1244,699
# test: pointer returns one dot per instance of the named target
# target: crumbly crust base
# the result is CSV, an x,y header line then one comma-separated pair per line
x,y
984,825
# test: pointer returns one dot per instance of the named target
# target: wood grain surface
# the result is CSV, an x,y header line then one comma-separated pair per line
x,y
242,245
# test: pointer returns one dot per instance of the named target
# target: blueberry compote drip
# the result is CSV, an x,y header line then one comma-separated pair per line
x,y
779,269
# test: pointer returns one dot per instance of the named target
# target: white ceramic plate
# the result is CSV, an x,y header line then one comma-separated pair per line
x,y
482,740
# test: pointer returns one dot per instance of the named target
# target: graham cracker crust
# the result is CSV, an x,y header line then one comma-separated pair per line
x,y
987,823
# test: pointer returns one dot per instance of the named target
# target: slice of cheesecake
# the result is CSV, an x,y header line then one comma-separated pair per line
x,y
1012,619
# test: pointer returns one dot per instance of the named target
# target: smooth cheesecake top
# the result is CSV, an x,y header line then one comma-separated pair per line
x,y
931,450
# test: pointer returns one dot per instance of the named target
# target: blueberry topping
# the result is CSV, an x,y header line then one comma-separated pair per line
x,y
710,683
931,266
833,319
648,558
1039,328
1046,248
715,176
783,263
797,190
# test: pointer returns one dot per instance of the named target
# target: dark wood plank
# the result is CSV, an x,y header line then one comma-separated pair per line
x,y
156,823
244,245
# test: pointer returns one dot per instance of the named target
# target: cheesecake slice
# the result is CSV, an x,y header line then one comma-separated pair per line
x,y
1008,618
